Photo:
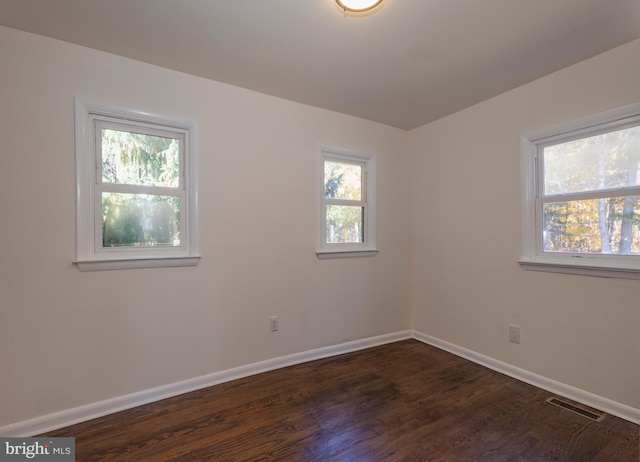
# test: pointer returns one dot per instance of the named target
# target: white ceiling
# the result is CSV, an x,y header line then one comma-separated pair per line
x,y
411,62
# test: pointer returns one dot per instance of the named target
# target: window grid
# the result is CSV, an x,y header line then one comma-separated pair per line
x,y
346,210
142,212
581,196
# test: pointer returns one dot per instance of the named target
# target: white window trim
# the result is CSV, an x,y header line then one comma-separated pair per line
x,y
88,258
368,247
532,258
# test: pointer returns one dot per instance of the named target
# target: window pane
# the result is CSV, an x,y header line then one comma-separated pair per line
x,y
609,225
140,159
140,220
342,180
345,224
609,160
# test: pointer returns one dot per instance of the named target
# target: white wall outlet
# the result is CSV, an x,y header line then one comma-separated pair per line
x,y
514,333
274,323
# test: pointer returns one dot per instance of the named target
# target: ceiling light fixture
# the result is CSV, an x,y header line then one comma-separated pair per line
x,y
358,6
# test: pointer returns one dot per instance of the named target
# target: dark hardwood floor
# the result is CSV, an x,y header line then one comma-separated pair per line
x,y
405,401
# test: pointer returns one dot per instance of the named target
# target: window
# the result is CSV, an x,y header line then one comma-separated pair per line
x,y
136,189
347,204
583,189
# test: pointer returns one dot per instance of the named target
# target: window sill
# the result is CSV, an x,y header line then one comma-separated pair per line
x,y
108,265
618,272
330,254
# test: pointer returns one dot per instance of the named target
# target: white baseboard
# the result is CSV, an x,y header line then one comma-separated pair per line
x,y
590,399
79,414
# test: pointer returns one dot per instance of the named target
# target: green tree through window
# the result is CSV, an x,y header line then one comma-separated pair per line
x,y
141,161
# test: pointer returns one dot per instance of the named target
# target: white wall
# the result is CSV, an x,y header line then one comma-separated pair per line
x,y
466,211
69,338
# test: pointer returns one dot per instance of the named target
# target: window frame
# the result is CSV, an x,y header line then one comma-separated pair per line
x,y
366,248
90,117
533,257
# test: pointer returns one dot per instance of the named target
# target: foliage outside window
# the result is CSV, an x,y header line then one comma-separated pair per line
x,y
346,205
135,190
586,190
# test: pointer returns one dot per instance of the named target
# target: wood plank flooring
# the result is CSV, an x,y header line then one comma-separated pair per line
x,y
405,401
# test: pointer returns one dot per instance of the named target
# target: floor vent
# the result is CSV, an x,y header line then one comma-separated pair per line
x,y
584,412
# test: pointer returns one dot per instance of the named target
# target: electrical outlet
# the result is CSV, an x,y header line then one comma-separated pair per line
x,y
274,323
514,333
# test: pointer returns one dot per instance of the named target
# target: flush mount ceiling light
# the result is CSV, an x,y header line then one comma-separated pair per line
x,y
358,6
